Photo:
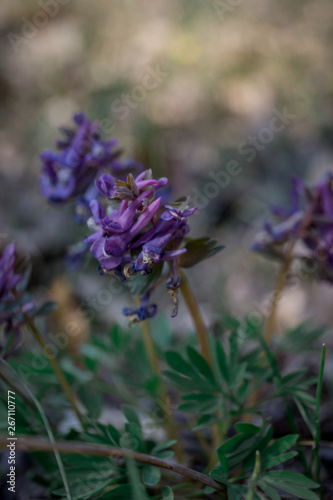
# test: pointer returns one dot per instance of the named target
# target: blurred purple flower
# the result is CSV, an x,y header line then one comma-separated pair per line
x,y
14,304
309,221
8,278
67,173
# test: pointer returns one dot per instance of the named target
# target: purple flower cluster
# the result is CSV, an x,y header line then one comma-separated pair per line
x,y
132,237
309,221
13,303
70,171
132,234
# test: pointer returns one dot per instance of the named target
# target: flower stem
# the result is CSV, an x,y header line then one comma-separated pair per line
x,y
270,322
151,353
56,368
193,307
197,318
281,281
150,349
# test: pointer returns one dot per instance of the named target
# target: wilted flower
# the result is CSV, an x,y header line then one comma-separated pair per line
x,y
309,222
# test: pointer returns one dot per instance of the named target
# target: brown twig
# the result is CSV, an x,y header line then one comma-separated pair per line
x,y
76,448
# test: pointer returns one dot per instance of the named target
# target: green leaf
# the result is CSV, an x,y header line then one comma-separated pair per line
x,y
222,361
82,376
233,494
206,421
198,250
163,446
281,445
272,461
167,493
121,492
151,475
302,338
293,376
233,443
223,463
131,415
291,482
178,363
202,403
84,490
95,353
307,416
201,365
247,428
91,399
269,491
186,384
293,477
139,284
219,475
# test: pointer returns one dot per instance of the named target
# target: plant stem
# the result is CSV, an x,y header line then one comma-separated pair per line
x,y
196,316
150,349
77,448
318,399
254,478
270,322
193,307
56,368
151,353
17,389
281,281
284,273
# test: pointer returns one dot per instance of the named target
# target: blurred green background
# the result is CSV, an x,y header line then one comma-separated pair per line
x,y
185,86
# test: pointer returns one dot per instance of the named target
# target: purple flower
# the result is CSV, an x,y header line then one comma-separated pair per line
x,y
68,172
114,188
309,222
8,278
114,233
141,313
14,304
131,238
170,229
